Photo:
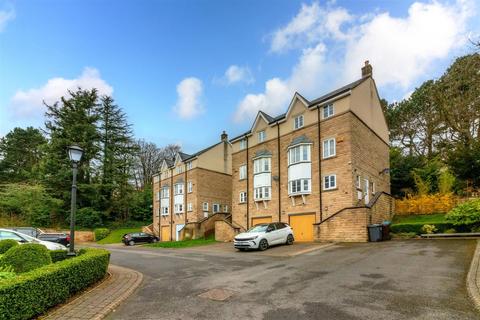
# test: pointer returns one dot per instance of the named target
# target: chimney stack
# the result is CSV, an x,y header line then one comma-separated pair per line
x,y
224,136
367,70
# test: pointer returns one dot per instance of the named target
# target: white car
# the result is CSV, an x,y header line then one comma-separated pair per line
x,y
23,238
264,235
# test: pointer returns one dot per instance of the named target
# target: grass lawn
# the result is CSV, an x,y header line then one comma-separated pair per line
x,y
421,219
115,236
183,244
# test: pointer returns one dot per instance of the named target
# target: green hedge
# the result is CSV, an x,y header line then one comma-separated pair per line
x,y
417,227
26,257
101,233
7,244
32,293
58,255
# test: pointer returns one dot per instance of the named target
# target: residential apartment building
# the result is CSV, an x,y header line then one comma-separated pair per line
x,y
322,167
192,187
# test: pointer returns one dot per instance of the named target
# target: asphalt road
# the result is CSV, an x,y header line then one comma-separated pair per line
x,y
422,279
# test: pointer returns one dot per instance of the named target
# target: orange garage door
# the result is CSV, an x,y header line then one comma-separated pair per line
x,y
302,226
256,221
165,233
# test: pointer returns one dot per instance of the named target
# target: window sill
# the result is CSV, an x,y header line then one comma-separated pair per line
x,y
332,189
329,157
297,194
242,203
260,200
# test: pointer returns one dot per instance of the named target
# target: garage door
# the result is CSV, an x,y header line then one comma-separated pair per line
x,y
165,233
256,221
302,226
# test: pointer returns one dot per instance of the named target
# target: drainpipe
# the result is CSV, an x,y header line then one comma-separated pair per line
x,y
248,190
159,203
319,164
279,180
171,204
185,192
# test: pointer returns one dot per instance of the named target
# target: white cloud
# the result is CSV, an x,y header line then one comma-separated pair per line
x,y
189,104
236,74
5,17
401,50
29,103
304,77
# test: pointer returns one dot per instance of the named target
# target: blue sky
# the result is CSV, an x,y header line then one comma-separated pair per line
x,y
186,70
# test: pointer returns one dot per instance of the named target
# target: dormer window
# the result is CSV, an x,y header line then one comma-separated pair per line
x,y
298,122
179,170
261,136
328,111
189,165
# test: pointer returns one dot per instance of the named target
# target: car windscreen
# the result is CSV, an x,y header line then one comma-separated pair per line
x,y
259,228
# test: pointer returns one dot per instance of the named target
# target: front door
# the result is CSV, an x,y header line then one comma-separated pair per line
x,y
165,233
367,191
302,226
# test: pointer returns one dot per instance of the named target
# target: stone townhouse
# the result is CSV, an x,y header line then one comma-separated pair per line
x,y
322,167
190,189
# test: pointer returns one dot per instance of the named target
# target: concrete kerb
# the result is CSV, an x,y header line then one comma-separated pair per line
x,y
473,278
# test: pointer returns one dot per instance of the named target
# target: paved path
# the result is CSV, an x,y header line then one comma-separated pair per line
x,y
422,279
102,299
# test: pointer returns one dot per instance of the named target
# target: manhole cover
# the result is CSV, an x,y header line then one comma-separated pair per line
x,y
217,294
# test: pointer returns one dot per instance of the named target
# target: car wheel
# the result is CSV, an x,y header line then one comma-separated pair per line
x,y
263,245
131,243
289,239
155,240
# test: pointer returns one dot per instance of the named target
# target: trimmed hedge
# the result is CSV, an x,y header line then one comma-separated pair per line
x,y
32,293
417,227
7,244
101,233
26,257
58,255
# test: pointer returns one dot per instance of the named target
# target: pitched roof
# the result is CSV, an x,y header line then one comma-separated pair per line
x,y
300,139
184,155
196,154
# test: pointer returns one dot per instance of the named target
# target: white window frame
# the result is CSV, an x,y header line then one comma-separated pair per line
x,y
165,192
243,144
164,211
225,208
299,153
329,178
179,208
262,165
242,172
298,122
189,186
261,136
358,181
300,186
262,193
243,197
178,188
189,165
327,145
189,207
216,207
328,111
205,206
179,169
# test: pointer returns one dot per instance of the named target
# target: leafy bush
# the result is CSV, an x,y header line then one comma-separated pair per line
x,y
101,233
6,272
429,228
467,213
7,244
26,257
30,294
417,227
450,231
89,218
58,255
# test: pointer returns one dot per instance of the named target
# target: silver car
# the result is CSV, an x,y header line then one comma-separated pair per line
x,y
23,238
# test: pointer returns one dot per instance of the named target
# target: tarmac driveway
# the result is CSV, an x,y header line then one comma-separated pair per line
x,y
422,279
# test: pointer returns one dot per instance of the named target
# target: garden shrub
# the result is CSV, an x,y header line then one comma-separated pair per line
x,y
7,244
6,272
429,228
26,257
450,231
58,255
101,233
30,294
417,227
467,213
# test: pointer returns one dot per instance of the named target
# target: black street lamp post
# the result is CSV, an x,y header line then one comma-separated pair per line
x,y
75,154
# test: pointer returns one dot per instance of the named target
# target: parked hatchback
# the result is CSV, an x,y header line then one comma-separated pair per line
x,y
130,239
264,235
61,238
